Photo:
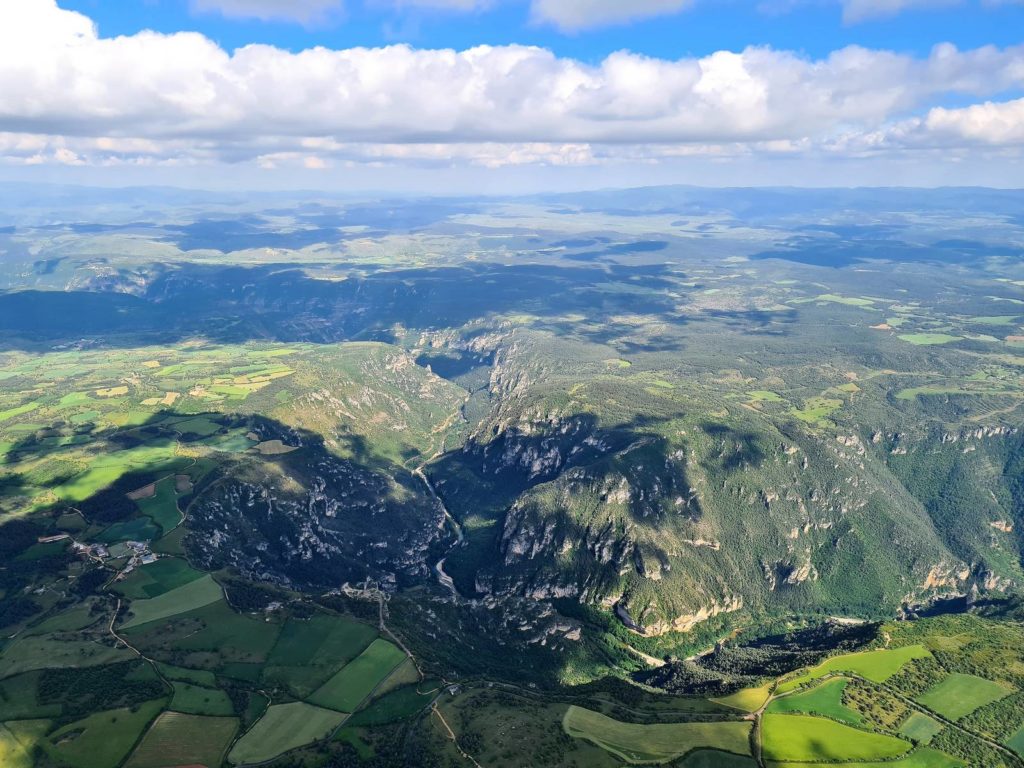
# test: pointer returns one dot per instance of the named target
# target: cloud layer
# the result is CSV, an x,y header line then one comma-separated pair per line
x,y
70,96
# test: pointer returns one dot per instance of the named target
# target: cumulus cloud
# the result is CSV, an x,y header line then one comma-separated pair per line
x,y
582,14
160,99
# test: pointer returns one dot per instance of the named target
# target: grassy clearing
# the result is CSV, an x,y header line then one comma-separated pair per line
x,y
18,741
657,743
1016,742
102,739
284,727
920,728
824,699
193,595
811,739
178,739
958,695
765,396
197,700
919,758
877,666
748,700
928,339
816,410
347,689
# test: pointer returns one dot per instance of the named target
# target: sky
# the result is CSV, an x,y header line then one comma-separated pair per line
x,y
457,96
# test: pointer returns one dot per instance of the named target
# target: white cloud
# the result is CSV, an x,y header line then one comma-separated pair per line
x,y
72,96
584,14
302,11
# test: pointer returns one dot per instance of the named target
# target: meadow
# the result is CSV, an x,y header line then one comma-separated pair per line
x,y
958,695
347,689
803,738
660,743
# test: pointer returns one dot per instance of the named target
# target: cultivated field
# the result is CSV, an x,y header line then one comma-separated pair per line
x,y
187,597
282,728
180,739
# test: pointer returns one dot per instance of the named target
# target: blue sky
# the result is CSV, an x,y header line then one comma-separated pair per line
x,y
570,93
815,28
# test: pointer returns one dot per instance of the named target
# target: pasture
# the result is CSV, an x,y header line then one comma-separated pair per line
x,y
396,705
282,728
180,739
928,339
308,653
27,653
803,738
102,739
347,689
658,743
155,579
876,666
920,728
748,699
199,700
187,597
162,506
958,695
824,699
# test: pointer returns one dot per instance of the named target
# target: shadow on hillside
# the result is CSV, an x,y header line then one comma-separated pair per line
x,y
234,304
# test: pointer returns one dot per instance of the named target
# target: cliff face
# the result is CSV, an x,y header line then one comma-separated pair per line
x,y
674,523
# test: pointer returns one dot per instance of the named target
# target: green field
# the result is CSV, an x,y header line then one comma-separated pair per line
x,y
355,681
29,652
198,700
153,580
102,739
162,506
1016,742
748,699
308,653
178,739
920,728
195,594
919,758
823,699
19,699
282,728
396,705
18,741
877,666
959,694
659,743
107,468
928,339
815,739
710,758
